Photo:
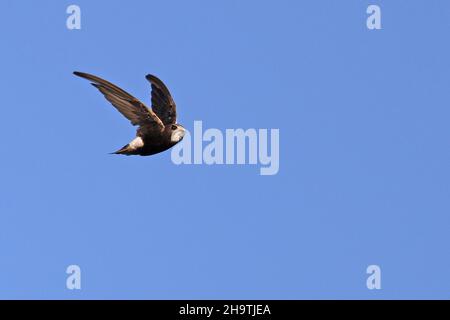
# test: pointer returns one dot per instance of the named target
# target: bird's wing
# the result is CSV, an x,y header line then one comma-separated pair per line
x,y
162,102
129,106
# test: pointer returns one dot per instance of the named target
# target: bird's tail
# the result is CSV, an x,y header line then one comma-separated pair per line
x,y
124,150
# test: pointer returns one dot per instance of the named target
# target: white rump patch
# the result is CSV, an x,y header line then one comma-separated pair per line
x,y
136,143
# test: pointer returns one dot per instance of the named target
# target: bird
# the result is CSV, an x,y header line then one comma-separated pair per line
x,y
158,129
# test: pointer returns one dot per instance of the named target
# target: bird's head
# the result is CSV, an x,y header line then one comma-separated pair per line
x,y
177,133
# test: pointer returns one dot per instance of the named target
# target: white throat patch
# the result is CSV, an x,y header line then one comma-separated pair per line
x,y
177,135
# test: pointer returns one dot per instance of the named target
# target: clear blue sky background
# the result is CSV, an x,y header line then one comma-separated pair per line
x,y
364,159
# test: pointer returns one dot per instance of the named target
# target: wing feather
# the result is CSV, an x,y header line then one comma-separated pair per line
x,y
133,109
162,102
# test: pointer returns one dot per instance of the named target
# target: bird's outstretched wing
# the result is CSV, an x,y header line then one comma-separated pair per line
x,y
133,109
162,102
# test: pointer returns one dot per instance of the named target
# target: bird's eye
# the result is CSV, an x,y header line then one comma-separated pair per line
x,y
174,127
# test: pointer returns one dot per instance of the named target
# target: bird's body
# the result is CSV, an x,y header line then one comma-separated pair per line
x,y
148,144
158,130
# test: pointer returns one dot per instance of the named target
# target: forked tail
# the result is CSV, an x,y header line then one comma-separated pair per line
x,y
124,150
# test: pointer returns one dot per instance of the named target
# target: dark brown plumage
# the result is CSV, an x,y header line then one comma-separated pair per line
x,y
158,130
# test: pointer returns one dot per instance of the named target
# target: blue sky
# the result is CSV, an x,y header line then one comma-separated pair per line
x,y
364,151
